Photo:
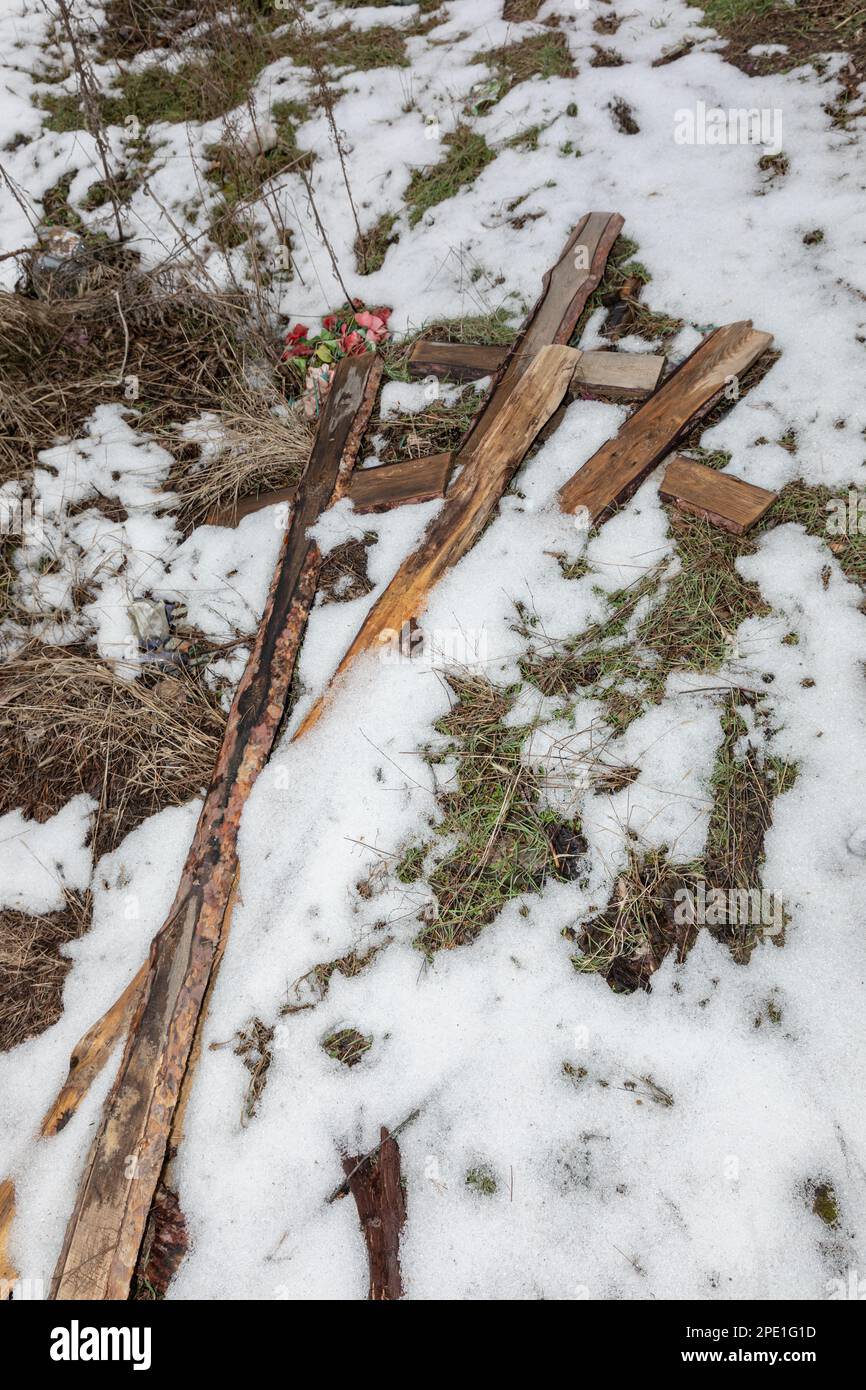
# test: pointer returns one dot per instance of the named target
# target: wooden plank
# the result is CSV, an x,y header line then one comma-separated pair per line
x,y
114,1199
393,484
469,505
234,512
371,489
617,468
90,1054
566,287
719,498
374,1182
459,361
619,376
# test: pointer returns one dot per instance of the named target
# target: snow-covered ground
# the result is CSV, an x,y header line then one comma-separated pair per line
x,y
600,1192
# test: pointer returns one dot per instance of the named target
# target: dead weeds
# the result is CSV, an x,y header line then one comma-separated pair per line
x,y
70,725
33,968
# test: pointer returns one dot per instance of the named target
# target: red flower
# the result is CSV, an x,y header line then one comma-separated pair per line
x,y
296,342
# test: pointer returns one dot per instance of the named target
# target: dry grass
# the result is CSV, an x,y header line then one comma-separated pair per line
x,y
61,358
264,444
32,970
70,725
629,940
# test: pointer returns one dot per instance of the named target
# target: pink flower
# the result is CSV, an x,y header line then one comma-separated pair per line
x,y
375,325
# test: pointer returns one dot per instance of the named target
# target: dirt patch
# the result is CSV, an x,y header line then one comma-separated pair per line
x,y
809,30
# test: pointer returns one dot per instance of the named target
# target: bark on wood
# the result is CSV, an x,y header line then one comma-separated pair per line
x,y
469,505
724,501
122,1170
371,490
394,484
376,1187
617,468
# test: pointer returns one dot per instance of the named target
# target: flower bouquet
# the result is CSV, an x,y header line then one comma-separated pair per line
x,y
345,333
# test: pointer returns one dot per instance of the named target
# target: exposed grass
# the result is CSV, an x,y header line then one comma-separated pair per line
x,y
347,1045
317,981
629,940
808,30
61,358
501,844
371,247
436,429
745,784
241,174
224,61
466,154
538,55
482,1180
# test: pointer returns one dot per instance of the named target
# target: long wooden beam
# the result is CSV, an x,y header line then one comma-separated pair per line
x,y
126,1159
617,468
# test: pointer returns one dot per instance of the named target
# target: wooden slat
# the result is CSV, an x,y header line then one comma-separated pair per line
x,y
393,484
619,376
123,1168
459,361
469,505
617,468
92,1052
371,489
566,287
719,498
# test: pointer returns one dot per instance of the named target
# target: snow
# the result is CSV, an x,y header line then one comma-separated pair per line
x,y
601,1192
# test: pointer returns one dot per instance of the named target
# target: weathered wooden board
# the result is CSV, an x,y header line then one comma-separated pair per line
x,y
123,1168
459,361
234,512
470,502
393,484
651,432
371,489
374,1182
719,498
566,287
91,1053
620,376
